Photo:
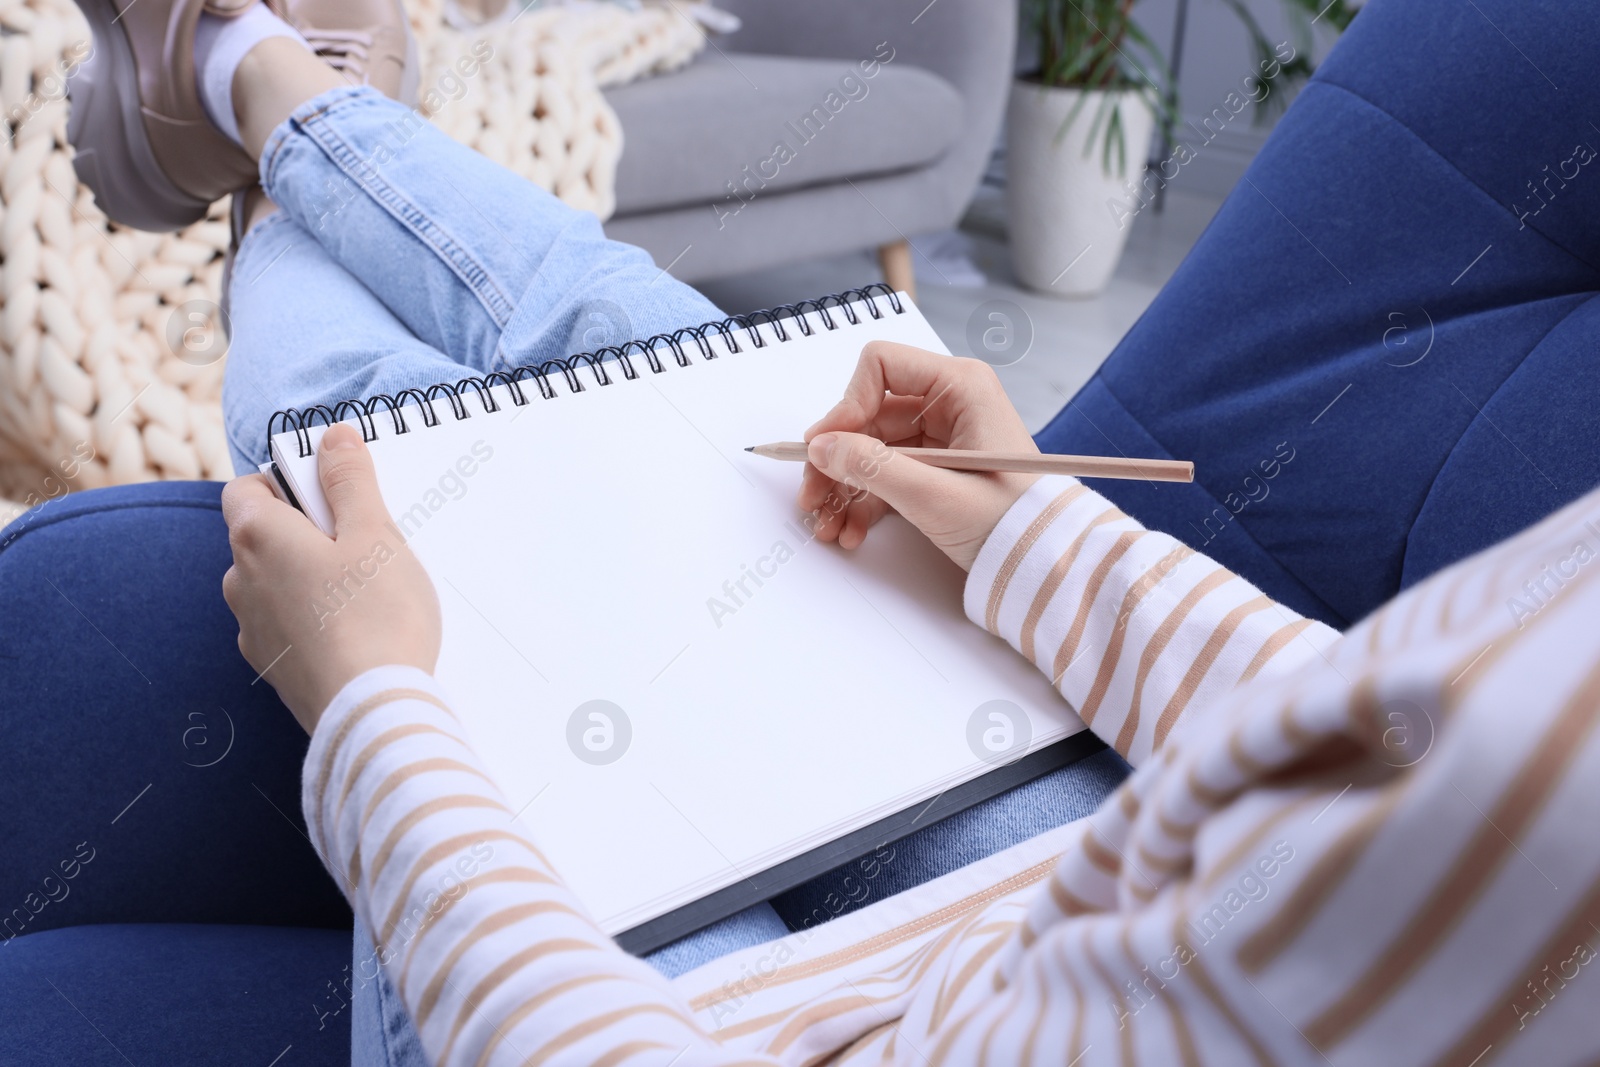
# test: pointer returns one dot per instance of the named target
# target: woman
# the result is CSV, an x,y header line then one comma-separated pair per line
x,y
1219,907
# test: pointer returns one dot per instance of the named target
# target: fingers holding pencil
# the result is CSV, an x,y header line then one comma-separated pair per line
x,y
956,510
846,508
936,439
910,398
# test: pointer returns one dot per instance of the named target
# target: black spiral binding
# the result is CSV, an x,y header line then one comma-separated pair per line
x,y
366,412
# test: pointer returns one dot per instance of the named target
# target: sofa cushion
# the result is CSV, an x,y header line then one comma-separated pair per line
x,y
791,122
152,993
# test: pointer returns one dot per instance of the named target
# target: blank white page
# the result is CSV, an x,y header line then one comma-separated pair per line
x,y
596,552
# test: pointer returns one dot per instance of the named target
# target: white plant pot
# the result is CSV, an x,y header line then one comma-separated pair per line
x,y
1067,232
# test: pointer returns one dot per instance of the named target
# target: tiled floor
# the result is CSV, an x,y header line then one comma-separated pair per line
x,y
1071,336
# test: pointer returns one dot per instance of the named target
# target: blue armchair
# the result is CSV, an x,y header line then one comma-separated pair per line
x,y
161,904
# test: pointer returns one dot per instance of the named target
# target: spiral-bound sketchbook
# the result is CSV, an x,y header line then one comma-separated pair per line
x,y
691,703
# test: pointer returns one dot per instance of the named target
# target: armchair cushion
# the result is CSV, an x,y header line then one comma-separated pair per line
x,y
157,993
1436,404
143,778
690,133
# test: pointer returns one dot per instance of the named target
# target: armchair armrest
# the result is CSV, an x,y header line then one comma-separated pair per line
x,y
969,43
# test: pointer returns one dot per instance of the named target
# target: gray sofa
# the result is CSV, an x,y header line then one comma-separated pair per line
x,y
897,150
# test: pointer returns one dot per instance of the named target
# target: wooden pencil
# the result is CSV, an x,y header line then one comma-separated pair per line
x,y
1154,470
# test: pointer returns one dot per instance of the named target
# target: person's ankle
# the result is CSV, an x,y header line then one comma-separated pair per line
x,y
274,78
221,43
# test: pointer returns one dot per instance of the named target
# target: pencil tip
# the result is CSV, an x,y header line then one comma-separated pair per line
x,y
752,448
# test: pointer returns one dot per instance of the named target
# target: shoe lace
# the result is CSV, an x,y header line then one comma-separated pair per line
x,y
346,51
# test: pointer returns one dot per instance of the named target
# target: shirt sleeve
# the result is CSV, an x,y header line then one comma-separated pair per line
x,y
496,961
1380,857
1135,629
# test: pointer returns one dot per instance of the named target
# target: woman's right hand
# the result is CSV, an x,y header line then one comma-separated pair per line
x,y
912,398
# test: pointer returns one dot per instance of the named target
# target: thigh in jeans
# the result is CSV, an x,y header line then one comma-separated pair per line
x,y
477,262
305,331
1055,799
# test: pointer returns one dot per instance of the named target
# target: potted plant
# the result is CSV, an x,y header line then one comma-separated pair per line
x,y
1078,127
1303,17
1074,129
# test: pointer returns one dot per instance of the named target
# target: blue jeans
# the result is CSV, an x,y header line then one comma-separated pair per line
x,y
400,259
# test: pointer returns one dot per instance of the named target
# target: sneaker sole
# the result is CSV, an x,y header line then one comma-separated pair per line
x,y
106,127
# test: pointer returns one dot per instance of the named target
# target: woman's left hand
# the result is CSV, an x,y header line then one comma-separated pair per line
x,y
314,613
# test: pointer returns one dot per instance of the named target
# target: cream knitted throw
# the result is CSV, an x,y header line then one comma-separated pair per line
x,y
93,318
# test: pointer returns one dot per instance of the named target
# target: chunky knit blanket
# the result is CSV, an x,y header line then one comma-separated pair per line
x,y
111,355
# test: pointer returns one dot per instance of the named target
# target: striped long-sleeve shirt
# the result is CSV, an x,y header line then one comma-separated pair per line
x,y
1368,849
